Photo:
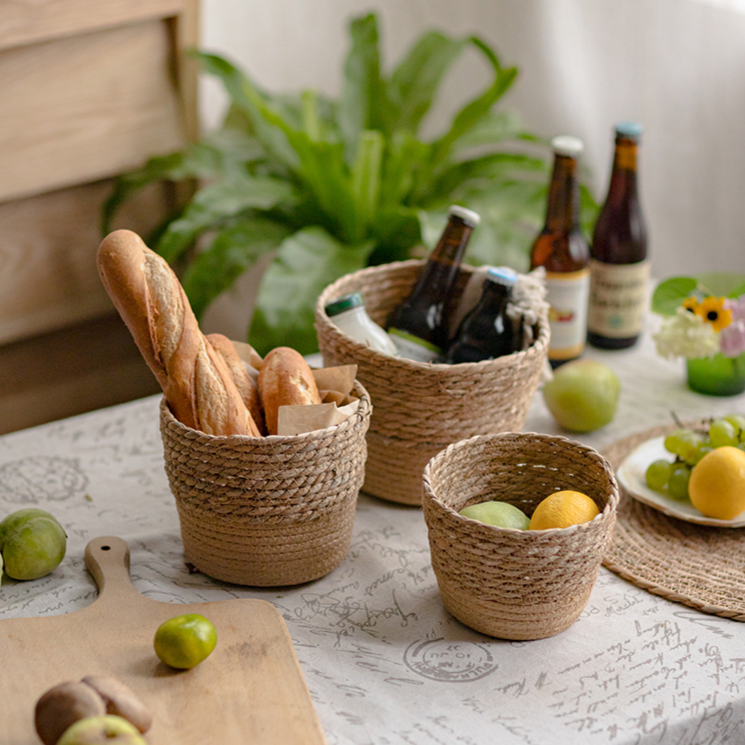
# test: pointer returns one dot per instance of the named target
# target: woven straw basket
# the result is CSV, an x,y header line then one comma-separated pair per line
x,y
267,511
422,408
516,584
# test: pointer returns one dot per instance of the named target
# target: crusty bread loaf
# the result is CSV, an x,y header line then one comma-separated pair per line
x,y
194,377
243,382
285,380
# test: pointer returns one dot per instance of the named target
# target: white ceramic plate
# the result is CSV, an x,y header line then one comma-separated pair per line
x,y
631,476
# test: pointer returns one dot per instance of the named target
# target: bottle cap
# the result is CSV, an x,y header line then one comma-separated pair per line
x,y
567,145
345,302
469,217
629,129
502,275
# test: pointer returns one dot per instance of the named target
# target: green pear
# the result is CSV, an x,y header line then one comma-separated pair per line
x,y
102,730
502,514
32,542
583,395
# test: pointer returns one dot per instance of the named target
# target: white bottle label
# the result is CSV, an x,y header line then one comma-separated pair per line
x,y
413,348
567,294
618,298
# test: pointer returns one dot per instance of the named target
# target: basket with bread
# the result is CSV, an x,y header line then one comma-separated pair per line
x,y
264,457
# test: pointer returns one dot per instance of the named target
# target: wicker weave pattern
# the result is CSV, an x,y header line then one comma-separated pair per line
x,y
267,511
508,583
420,408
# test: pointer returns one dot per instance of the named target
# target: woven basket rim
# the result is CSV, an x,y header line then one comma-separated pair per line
x,y
608,512
538,346
363,410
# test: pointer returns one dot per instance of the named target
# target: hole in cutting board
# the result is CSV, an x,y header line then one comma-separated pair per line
x,y
105,548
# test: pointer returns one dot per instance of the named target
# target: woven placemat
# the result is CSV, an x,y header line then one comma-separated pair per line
x,y
695,565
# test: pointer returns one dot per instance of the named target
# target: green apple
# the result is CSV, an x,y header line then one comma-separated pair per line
x,y
502,514
32,542
583,395
102,730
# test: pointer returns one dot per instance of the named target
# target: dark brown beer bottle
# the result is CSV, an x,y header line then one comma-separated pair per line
x,y
419,326
486,331
619,269
562,250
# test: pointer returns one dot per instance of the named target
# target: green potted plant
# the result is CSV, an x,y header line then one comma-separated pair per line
x,y
328,186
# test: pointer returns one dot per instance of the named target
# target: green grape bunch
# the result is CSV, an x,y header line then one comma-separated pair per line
x,y
689,446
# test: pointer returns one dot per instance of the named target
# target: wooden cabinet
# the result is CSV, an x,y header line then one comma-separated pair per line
x,y
89,89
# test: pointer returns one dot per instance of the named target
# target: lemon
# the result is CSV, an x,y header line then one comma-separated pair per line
x,y
717,485
501,514
562,509
185,641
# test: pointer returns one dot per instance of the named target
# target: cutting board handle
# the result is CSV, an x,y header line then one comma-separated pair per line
x,y
107,559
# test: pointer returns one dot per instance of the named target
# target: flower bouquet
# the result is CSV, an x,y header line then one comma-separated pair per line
x,y
704,322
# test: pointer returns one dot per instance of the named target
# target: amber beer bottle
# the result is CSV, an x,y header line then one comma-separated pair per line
x,y
419,325
619,270
562,250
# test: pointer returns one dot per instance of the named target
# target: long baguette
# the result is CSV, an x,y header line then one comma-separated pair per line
x,y
195,379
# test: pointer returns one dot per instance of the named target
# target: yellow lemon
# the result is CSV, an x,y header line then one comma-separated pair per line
x,y
185,641
562,509
717,485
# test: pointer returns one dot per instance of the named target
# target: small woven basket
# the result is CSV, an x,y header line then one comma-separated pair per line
x,y
422,408
267,511
507,583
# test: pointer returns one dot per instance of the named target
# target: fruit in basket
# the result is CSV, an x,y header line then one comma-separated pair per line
x,y
563,509
501,514
184,641
108,729
32,543
717,485
583,395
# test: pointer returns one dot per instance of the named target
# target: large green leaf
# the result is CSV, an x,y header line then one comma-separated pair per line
x,y
362,99
366,180
217,202
413,84
305,264
727,284
231,252
403,156
668,295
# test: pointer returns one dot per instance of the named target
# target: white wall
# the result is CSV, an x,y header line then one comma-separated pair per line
x,y
678,66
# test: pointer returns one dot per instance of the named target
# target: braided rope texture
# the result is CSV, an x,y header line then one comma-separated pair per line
x,y
267,511
422,408
696,565
507,583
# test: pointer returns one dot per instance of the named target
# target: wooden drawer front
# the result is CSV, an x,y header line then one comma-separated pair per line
x,y
48,276
27,21
82,108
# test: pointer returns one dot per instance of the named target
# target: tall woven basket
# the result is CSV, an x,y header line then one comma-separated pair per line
x,y
422,408
267,511
508,583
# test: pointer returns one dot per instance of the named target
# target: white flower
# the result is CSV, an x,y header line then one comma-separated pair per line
x,y
686,335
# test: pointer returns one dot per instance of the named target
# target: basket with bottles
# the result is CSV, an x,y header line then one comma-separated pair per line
x,y
460,386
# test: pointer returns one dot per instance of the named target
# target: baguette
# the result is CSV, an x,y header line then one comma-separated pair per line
x,y
195,379
285,380
243,382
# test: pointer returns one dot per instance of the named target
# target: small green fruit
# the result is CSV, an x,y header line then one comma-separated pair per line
x,y
185,641
502,514
102,730
33,544
583,395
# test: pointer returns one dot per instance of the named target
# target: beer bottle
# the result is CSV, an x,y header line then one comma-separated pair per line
x,y
486,331
562,250
419,325
619,270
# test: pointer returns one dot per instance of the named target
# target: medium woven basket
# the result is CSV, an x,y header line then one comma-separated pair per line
x,y
422,408
267,511
516,584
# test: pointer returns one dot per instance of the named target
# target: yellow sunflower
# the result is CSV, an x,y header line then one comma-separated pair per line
x,y
711,309
690,303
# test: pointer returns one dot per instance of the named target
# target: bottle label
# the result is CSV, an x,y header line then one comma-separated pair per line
x,y
567,294
413,348
618,298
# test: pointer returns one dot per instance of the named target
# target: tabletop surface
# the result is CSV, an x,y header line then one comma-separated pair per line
x,y
384,661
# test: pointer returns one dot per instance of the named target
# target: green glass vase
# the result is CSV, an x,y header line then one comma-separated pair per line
x,y
717,375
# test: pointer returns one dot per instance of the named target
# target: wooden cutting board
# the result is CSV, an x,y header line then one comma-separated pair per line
x,y
249,690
